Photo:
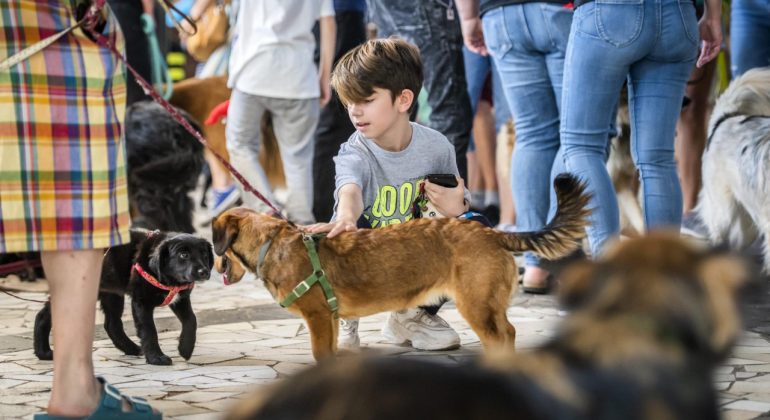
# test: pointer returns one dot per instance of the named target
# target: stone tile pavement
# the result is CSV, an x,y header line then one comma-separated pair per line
x,y
245,341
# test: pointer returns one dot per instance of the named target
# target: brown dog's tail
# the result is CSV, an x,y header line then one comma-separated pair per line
x,y
565,232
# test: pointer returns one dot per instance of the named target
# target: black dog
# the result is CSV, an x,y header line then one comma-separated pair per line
x,y
164,162
156,268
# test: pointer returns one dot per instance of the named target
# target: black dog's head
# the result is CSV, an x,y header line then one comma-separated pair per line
x,y
181,259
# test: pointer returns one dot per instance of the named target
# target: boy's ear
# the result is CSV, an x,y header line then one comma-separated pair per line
x,y
405,100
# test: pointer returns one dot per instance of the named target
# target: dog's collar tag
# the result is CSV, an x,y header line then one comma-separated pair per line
x,y
172,290
318,276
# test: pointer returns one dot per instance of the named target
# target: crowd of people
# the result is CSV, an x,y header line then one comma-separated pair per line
x,y
354,157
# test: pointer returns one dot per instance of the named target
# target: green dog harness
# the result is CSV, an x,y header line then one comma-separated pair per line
x,y
318,275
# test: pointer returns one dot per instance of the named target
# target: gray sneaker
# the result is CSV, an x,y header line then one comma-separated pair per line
x,y
347,338
692,225
423,330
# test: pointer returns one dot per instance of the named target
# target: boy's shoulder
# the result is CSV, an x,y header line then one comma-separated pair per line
x,y
428,136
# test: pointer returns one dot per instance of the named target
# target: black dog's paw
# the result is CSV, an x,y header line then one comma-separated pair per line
x,y
161,360
131,349
44,355
186,350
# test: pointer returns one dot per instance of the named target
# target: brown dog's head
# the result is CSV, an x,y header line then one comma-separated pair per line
x,y
237,235
662,286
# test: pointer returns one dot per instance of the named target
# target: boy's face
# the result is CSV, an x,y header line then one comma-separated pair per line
x,y
374,116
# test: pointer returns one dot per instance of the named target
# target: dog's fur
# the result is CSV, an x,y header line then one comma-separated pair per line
x,y
734,203
164,162
622,170
174,259
401,266
647,327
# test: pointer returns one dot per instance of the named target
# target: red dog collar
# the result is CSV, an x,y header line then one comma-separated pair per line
x,y
172,290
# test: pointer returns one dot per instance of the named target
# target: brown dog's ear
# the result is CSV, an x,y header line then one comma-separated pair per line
x,y
224,230
576,283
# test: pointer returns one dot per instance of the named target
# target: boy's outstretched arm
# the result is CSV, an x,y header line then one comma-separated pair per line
x,y
350,206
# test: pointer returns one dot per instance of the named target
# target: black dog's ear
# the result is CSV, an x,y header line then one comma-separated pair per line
x,y
158,257
210,256
224,230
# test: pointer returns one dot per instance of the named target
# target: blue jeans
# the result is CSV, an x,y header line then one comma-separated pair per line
x,y
528,43
653,44
749,35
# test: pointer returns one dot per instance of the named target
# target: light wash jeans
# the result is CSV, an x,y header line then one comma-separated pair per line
x,y
528,43
749,35
653,44
294,123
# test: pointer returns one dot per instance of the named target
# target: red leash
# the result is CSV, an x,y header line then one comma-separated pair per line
x,y
91,19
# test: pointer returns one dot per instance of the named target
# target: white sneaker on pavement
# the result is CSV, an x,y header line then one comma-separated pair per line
x,y
347,337
423,330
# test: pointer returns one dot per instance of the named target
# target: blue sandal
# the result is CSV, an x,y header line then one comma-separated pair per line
x,y
111,407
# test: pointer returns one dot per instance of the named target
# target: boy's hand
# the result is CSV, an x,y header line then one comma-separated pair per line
x,y
333,228
449,201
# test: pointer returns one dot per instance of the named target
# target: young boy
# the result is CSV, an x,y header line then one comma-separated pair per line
x,y
380,169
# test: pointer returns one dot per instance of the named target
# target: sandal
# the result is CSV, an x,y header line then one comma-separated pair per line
x,y
538,290
111,407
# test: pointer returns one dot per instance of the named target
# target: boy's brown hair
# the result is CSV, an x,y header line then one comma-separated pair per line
x,y
391,64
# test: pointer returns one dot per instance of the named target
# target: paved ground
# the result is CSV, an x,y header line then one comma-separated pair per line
x,y
245,341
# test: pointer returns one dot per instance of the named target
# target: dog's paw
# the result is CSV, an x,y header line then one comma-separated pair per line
x,y
160,360
132,350
44,355
186,350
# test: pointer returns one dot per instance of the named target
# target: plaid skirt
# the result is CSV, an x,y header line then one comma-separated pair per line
x,y
62,159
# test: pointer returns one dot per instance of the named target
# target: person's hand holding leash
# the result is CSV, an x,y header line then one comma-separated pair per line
x,y
449,201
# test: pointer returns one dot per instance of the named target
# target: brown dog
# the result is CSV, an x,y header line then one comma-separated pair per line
x,y
647,326
397,267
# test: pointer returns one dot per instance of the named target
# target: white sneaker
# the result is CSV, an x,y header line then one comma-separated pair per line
x,y
423,330
347,337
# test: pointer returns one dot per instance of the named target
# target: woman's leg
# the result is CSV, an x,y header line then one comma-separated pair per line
x,y
691,134
656,88
73,277
594,72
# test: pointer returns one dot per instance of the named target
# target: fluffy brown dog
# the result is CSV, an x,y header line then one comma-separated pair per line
x,y
646,329
401,266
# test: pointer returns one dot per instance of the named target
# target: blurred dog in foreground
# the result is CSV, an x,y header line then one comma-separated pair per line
x,y
734,203
647,326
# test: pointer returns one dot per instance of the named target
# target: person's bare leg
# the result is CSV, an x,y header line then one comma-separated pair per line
x,y
73,277
503,151
691,134
475,180
220,176
484,136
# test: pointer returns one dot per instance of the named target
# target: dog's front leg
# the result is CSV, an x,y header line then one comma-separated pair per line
x,y
183,310
148,335
322,338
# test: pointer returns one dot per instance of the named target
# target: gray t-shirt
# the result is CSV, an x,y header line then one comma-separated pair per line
x,y
390,180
